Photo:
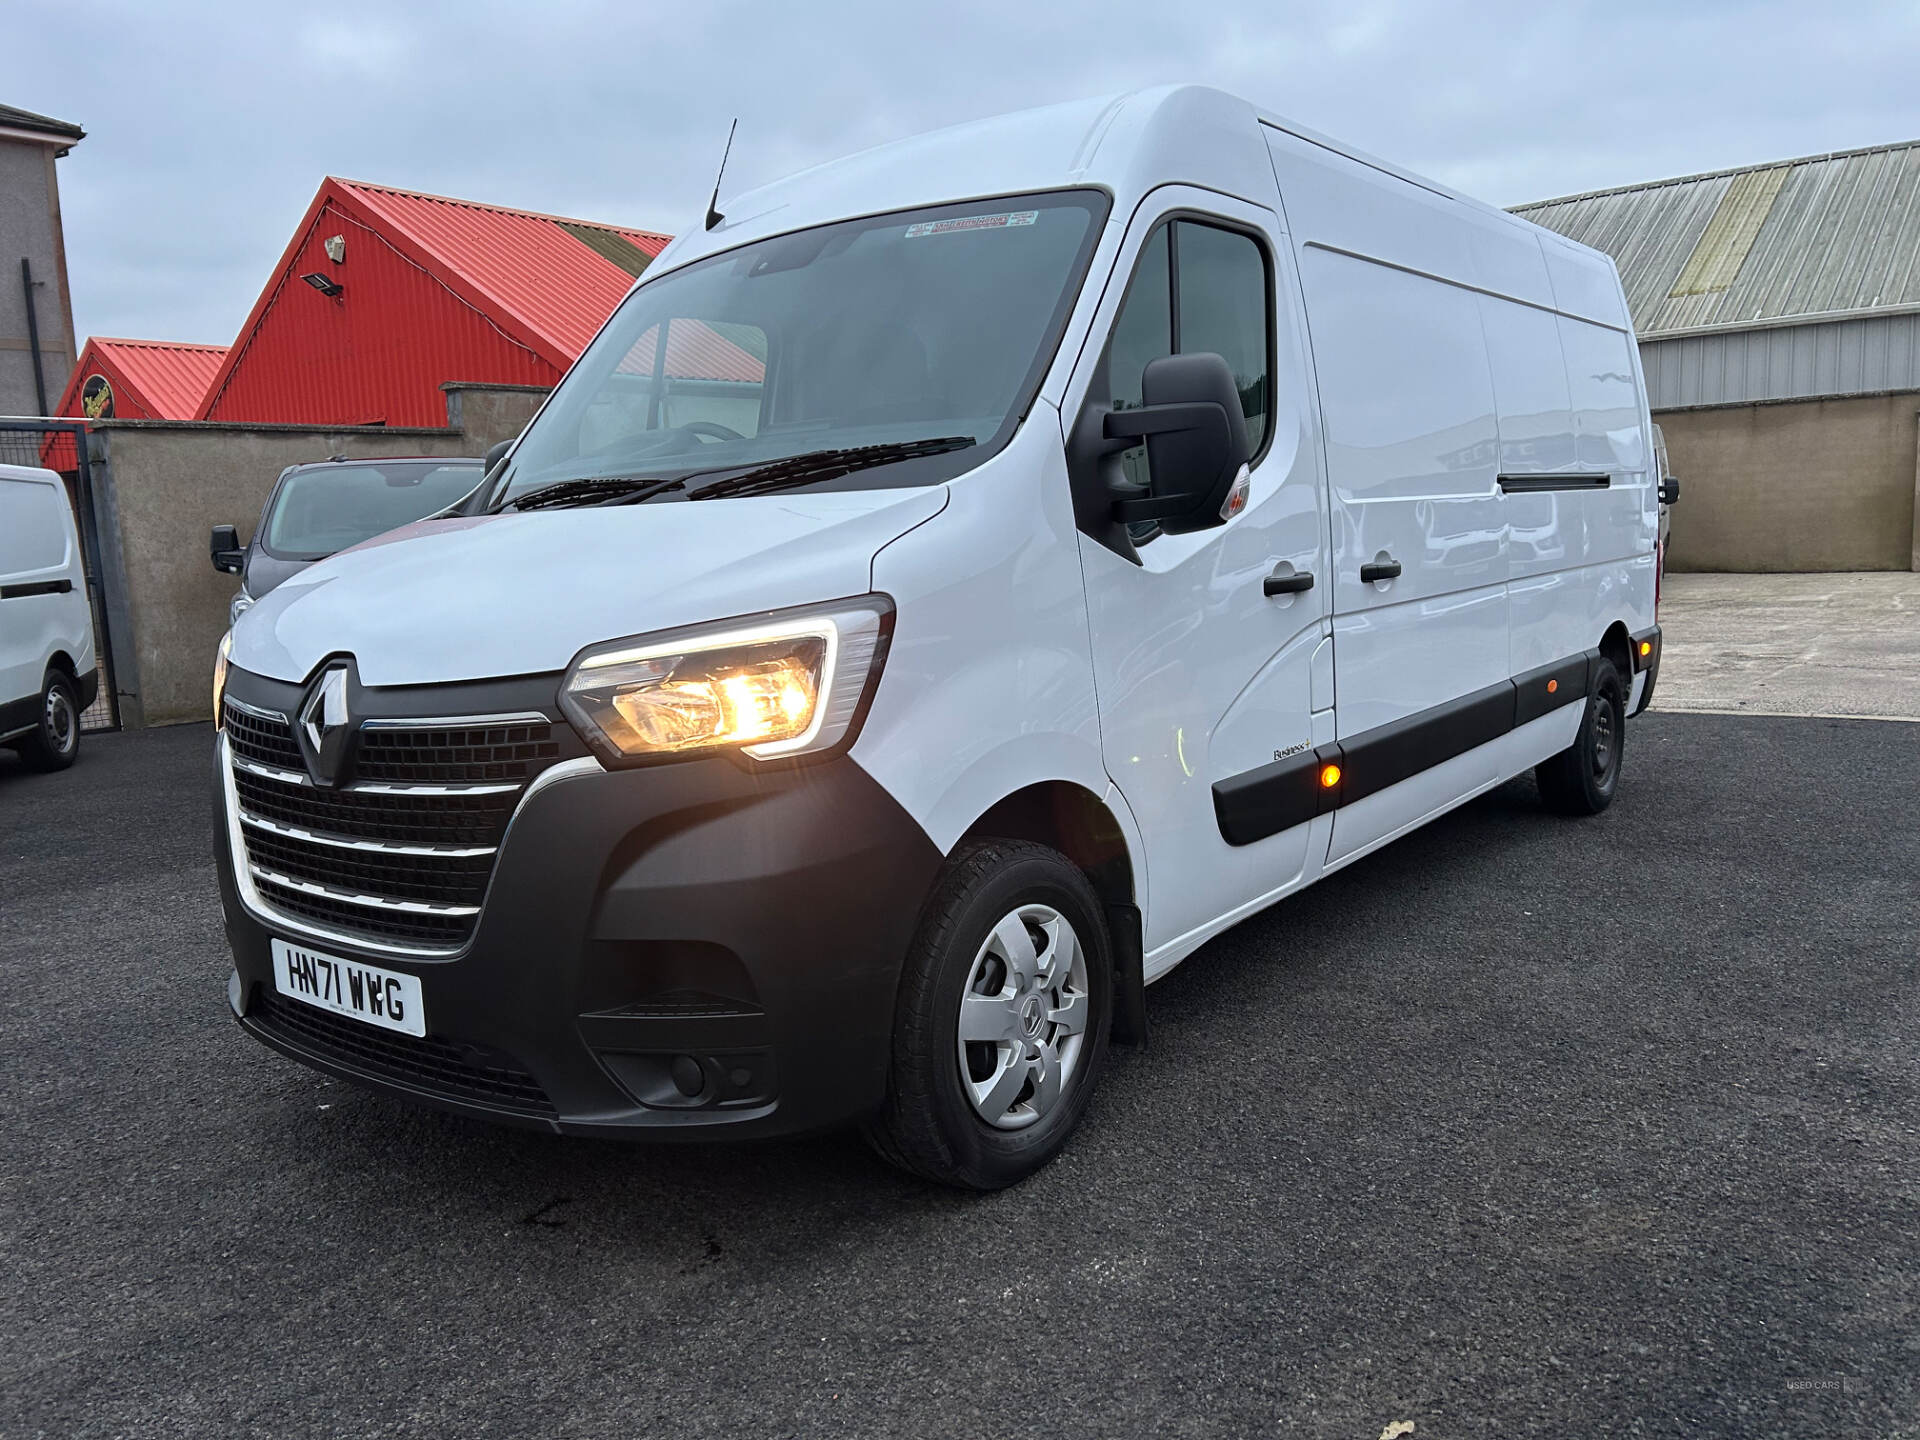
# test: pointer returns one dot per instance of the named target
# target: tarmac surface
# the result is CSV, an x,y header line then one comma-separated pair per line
x,y
1522,1126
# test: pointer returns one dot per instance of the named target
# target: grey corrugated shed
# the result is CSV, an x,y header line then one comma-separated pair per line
x,y
1796,241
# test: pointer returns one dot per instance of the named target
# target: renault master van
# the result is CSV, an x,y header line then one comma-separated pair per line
x,y
47,674
956,583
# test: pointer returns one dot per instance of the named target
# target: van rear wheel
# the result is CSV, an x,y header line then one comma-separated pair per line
x,y
54,742
1001,1025
1581,779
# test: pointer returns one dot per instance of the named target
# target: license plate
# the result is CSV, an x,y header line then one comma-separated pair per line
x,y
347,987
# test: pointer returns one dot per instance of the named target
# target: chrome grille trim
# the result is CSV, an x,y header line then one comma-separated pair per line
x,y
478,788
372,902
455,722
256,711
377,847
267,772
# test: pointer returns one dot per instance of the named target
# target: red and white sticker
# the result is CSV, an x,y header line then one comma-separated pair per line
x,y
972,222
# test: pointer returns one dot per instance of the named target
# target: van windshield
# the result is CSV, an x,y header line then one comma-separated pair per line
x,y
903,349
324,509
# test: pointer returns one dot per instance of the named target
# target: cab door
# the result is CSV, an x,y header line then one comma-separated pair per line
x,y
1204,644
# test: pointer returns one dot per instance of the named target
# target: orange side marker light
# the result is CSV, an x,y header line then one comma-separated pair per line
x,y
1646,648
1329,776
1552,685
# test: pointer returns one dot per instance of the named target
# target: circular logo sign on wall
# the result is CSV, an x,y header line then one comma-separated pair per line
x,y
96,398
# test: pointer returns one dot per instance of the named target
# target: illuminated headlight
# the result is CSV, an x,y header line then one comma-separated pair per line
x,y
220,677
789,684
238,606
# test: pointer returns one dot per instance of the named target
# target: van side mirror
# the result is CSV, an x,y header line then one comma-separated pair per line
x,y
1196,436
226,550
495,454
1670,490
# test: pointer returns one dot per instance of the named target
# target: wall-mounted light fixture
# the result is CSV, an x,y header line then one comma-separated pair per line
x,y
322,283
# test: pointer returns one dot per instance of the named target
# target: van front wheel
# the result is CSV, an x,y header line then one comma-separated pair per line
x,y
1002,1020
1581,779
54,742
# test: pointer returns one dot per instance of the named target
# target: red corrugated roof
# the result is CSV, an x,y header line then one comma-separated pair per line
x,y
529,265
696,351
151,379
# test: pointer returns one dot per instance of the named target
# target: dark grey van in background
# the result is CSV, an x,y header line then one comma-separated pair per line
x,y
320,509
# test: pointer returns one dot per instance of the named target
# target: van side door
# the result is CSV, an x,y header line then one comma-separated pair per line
x,y
1419,539
1203,644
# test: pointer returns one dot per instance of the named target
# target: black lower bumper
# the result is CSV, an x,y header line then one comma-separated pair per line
x,y
1646,660
689,950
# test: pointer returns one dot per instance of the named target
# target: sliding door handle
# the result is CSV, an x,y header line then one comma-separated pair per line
x,y
1379,570
1288,582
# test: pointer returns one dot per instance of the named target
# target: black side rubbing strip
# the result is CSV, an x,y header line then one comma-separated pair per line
x,y
1276,797
1529,484
1532,696
1263,802
37,587
1396,752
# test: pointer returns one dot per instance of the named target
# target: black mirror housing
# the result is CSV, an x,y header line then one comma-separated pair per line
x,y
226,550
1196,436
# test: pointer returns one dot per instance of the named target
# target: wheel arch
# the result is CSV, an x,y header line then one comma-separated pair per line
x,y
1617,646
1070,818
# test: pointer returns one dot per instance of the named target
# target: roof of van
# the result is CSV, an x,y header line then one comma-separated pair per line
x,y
1821,237
1126,143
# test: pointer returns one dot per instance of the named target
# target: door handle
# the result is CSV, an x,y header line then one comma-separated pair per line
x,y
1291,583
1379,570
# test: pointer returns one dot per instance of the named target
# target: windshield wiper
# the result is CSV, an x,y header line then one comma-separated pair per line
x,y
594,491
817,465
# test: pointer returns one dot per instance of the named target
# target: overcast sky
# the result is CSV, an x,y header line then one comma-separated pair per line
x,y
210,125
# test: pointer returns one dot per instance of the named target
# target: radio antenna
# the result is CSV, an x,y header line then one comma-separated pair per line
x,y
714,217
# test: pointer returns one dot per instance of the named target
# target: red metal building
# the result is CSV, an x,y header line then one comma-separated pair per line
x,y
139,380
383,295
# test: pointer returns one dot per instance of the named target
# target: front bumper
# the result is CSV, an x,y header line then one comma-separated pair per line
x,y
1648,663
641,922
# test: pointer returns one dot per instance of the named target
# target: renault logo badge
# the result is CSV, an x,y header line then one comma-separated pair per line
x,y
327,725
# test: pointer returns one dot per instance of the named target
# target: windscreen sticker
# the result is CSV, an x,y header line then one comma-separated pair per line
x,y
972,222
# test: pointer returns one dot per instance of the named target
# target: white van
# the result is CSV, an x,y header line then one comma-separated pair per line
x,y
832,711
47,676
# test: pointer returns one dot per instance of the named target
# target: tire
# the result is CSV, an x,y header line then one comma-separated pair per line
x,y
1582,778
54,743
985,1113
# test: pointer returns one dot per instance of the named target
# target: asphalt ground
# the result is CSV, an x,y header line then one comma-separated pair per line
x,y
1523,1126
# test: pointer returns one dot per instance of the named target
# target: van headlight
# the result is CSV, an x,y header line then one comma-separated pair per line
x,y
220,679
791,683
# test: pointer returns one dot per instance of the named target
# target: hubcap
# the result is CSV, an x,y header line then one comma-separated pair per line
x,y
60,723
1603,738
1023,1018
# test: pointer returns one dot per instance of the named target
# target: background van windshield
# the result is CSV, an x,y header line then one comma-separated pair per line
x,y
331,507
927,324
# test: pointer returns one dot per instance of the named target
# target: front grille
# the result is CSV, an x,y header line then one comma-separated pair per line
x,y
406,927
444,756
437,1066
404,833
258,738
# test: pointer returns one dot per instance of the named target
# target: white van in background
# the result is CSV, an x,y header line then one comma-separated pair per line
x,y
957,583
47,675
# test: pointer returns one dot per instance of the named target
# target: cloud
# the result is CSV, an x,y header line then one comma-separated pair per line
x,y
211,123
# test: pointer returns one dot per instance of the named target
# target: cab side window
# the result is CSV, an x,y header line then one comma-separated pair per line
x,y
1196,287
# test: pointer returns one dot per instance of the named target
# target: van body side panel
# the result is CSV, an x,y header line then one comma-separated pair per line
x,y
1412,454
43,586
988,686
